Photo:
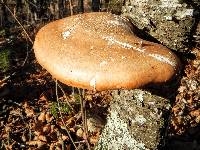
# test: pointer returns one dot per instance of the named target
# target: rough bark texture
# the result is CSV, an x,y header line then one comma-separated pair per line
x,y
169,21
136,121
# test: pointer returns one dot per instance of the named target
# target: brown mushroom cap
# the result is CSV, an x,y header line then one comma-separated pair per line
x,y
99,51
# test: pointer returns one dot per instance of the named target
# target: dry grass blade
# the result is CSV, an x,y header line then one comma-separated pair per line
x,y
66,98
71,8
62,115
7,77
18,22
84,119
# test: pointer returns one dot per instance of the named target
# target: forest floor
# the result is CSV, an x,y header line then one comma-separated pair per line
x,y
32,112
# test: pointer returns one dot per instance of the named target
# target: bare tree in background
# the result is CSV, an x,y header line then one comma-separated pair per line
x,y
81,6
96,5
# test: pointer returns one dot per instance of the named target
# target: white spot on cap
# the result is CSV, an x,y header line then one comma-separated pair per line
x,y
92,47
93,83
123,57
69,31
66,34
163,59
112,59
115,22
103,63
112,40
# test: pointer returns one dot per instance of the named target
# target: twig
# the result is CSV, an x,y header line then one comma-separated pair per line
x,y
9,76
18,22
66,98
84,119
62,115
24,62
6,78
31,3
73,93
71,8
30,135
27,54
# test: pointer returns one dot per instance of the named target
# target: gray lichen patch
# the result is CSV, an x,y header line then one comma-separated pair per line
x,y
168,21
135,121
118,136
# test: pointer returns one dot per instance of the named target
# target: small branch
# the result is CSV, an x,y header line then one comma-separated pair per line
x,y
84,118
71,8
27,54
31,3
6,78
18,23
62,115
66,98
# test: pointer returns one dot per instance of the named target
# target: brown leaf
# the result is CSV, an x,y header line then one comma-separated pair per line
x,y
49,117
38,143
42,117
42,138
47,128
79,132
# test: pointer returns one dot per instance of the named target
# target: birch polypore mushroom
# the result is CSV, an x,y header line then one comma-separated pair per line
x,y
99,51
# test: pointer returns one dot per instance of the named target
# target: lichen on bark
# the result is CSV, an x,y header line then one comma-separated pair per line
x,y
168,21
135,122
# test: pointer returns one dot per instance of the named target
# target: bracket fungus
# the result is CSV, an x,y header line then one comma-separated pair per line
x,y
99,51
